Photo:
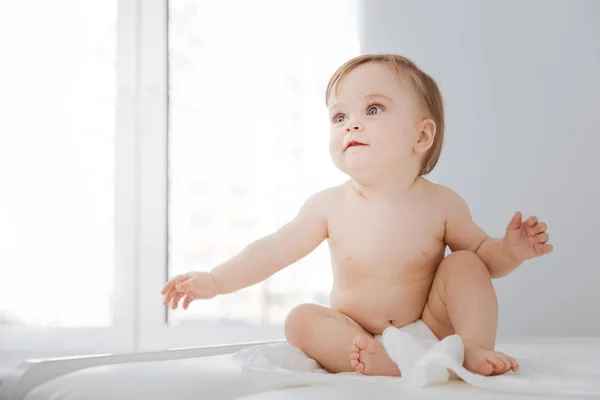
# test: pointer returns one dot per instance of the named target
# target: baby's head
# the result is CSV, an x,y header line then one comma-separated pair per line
x,y
391,107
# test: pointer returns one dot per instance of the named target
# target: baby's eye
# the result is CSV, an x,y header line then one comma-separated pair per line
x,y
339,118
374,109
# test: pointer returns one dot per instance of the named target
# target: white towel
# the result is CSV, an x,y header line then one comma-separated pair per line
x,y
425,361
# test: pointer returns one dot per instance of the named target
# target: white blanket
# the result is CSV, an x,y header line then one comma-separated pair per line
x,y
424,361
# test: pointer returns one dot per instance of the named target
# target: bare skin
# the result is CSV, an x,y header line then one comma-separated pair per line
x,y
387,230
411,271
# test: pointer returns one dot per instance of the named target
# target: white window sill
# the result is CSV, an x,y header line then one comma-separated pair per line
x,y
9,361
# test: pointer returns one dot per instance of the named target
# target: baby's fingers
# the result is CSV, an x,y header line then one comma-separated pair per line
x,y
168,286
170,296
542,238
531,226
176,299
186,302
542,249
540,228
546,248
531,221
172,282
188,285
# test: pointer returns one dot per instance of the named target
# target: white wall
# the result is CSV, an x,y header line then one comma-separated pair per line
x,y
521,81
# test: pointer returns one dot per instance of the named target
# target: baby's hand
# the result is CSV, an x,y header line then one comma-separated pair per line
x,y
526,240
193,285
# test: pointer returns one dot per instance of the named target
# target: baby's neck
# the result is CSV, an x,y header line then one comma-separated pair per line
x,y
385,188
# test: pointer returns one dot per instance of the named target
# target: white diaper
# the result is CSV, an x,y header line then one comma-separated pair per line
x,y
408,344
418,330
407,347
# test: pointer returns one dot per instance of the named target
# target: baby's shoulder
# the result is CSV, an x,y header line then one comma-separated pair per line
x,y
330,199
442,197
336,192
324,198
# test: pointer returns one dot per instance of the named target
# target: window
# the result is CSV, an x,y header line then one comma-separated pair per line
x,y
248,142
57,167
57,163
97,99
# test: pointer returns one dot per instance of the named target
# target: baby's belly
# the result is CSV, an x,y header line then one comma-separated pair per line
x,y
377,305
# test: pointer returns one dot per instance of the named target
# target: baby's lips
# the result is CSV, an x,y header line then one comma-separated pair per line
x,y
353,142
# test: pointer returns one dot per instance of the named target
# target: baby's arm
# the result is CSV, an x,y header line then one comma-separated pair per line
x,y
268,255
462,233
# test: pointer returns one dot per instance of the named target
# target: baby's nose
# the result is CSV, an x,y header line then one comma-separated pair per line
x,y
354,127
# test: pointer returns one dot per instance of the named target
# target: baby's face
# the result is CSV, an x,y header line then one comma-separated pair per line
x,y
374,121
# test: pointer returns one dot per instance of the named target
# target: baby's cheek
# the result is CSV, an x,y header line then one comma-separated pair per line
x,y
336,142
393,147
336,153
406,139
392,139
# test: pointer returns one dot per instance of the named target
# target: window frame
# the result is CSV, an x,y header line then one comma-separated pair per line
x,y
141,221
154,332
141,211
120,336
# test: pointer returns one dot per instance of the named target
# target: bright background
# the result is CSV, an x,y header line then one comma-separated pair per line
x,y
139,140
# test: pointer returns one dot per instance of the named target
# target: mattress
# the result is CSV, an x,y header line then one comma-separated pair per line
x,y
556,356
220,377
451,391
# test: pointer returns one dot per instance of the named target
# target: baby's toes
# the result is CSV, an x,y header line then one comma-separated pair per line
x,y
497,363
359,367
506,361
355,356
483,367
514,365
360,342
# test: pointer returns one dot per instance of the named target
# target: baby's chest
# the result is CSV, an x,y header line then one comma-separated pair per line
x,y
390,235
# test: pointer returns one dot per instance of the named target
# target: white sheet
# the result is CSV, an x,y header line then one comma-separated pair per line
x,y
214,377
555,370
219,377
452,391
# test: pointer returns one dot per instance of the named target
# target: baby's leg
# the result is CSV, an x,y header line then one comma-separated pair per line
x,y
336,341
462,300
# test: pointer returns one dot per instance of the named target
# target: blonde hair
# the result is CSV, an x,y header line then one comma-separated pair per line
x,y
425,86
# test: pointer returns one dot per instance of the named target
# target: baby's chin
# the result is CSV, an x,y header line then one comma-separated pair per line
x,y
358,168
359,160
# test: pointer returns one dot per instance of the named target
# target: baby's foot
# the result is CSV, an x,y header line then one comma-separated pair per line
x,y
488,362
368,356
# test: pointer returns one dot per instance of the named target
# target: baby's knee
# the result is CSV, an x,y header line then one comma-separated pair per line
x,y
298,321
464,262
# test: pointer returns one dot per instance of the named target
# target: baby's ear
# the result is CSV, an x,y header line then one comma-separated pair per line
x,y
425,136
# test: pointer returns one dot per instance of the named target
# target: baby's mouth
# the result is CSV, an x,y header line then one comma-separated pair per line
x,y
354,143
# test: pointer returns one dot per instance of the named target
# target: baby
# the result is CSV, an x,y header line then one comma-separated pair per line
x,y
387,228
